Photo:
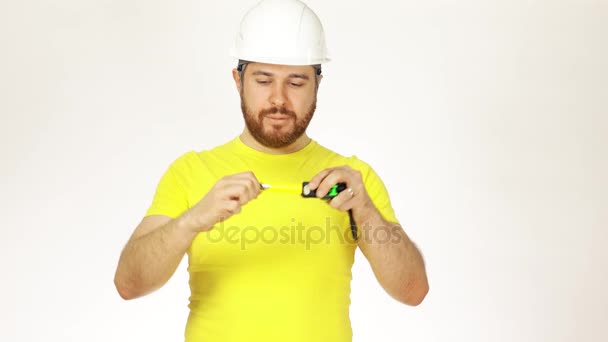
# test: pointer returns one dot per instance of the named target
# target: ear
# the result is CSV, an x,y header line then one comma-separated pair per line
x,y
237,79
318,80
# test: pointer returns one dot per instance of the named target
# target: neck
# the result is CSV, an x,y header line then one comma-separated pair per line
x,y
297,145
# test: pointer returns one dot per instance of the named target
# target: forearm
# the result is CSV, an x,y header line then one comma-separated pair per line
x,y
394,258
147,262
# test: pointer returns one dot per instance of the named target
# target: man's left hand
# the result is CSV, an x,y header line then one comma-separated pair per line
x,y
354,197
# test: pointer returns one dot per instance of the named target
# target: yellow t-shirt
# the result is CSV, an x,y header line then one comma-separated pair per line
x,y
279,270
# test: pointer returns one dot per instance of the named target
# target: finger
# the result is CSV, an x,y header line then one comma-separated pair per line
x,y
248,190
252,183
344,201
241,175
333,178
227,208
316,180
248,180
233,207
246,174
236,191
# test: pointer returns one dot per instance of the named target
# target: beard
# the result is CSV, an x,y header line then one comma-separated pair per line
x,y
276,136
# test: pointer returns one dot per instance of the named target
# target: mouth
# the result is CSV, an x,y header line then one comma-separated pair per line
x,y
278,117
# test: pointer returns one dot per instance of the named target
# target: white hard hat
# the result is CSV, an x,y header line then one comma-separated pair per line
x,y
281,32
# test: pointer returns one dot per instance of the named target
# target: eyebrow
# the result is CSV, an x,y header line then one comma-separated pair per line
x,y
269,74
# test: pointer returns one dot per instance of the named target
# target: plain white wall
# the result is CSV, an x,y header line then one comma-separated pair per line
x,y
487,120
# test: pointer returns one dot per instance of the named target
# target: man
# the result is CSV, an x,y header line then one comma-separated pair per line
x,y
267,264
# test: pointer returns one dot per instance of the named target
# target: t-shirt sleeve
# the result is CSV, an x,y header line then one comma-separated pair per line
x,y
171,198
376,190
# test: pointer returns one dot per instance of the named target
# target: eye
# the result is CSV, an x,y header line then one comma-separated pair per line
x,y
296,84
262,82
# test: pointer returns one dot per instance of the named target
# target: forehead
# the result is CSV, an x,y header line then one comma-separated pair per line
x,y
280,70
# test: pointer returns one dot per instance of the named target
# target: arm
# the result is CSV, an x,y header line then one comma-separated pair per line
x,y
152,254
159,243
395,260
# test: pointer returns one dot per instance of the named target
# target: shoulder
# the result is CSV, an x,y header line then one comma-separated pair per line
x,y
338,159
193,159
351,161
184,162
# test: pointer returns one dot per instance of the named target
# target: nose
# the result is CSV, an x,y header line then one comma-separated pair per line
x,y
277,96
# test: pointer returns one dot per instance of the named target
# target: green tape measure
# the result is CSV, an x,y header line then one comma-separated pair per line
x,y
333,191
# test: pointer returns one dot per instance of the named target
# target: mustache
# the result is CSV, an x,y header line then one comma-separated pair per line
x,y
274,110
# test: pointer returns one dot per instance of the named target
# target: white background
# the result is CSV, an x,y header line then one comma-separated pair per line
x,y
487,120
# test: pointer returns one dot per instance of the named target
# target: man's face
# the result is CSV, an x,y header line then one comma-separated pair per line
x,y
278,102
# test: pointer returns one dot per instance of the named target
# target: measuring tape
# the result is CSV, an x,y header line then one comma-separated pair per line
x,y
307,192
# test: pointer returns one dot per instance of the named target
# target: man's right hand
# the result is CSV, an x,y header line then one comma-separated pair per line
x,y
224,199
